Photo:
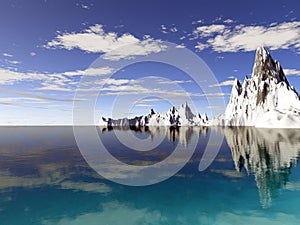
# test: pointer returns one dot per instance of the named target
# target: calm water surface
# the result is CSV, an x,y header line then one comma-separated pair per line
x,y
255,178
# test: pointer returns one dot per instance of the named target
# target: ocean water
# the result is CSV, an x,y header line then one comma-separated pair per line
x,y
254,178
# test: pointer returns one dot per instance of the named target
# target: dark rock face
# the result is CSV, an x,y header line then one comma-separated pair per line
x,y
262,94
265,67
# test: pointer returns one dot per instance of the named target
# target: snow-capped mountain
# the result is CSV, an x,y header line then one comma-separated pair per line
x,y
182,116
264,100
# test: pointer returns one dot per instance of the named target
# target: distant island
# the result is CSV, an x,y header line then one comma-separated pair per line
x,y
264,100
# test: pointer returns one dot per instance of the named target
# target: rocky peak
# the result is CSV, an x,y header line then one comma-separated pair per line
x,y
152,112
186,110
266,67
204,117
173,110
236,87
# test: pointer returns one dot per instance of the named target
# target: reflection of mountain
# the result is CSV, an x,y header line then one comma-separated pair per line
x,y
37,157
182,134
267,153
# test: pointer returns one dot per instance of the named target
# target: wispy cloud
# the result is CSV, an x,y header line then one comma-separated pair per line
x,y
85,6
63,81
32,96
228,21
227,38
164,29
291,72
90,72
113,46
150,85
9,77
151,100
5,54
171,82
223,83
142,105
207,31
13,62
173,29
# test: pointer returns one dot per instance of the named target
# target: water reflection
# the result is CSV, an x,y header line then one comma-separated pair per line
x,y
269,154
39,157
33,157
182,134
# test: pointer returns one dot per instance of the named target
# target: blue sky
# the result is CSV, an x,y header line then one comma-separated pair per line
x,y
46,47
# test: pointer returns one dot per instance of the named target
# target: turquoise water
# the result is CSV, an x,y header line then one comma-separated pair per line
x,y
255,179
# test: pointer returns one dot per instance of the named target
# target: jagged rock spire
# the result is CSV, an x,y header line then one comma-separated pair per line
x,y
264,100
151,112
266,67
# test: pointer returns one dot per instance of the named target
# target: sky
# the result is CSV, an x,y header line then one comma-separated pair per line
x,y
51,50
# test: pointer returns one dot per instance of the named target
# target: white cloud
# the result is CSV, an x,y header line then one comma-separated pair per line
x,y
32,54
90,72
217,94
55,81
113,46
112,81
136,89
218,18
54,88
224,83
201,46
228,21
141,48
226,38
142,105
10,100
163,29
32,96
174,29
151,100
207,31
14,62
180,46
85,6
151,85
292,72
9,77
5,54
198,21
171,82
